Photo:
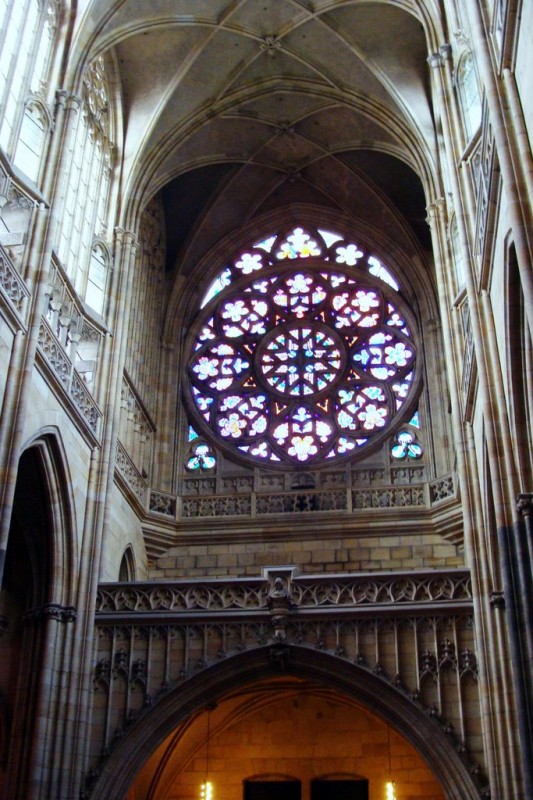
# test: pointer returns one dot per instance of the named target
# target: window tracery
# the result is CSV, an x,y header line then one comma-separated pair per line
x,y
302,351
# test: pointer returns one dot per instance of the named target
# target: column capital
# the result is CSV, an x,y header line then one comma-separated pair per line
x,y
437,210
68,100
52,611
125,237
435,60
524,503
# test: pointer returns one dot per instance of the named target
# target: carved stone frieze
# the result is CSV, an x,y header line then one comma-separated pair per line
x,y
436,587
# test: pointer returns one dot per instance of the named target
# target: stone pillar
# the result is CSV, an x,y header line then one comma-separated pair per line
x,y
96,523
483,554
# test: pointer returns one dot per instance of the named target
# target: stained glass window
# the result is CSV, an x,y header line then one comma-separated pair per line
x,y
406,446
201,457
304,351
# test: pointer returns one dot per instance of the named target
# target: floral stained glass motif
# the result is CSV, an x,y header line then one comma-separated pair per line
x,y
201,458
301,358
406,446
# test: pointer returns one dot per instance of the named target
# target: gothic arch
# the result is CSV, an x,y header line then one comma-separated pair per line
x,y
48,448
38,595
184,301
245,669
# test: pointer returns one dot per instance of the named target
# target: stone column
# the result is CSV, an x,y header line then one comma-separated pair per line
x,y
101,475
496,686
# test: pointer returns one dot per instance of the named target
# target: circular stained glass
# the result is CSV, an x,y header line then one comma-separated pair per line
x,y
298,359
300,364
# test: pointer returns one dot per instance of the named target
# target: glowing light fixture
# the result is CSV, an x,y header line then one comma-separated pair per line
x,y
390,785
206,789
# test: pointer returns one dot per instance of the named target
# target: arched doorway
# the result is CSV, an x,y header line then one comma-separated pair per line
x,y
33,605
286,737
311,699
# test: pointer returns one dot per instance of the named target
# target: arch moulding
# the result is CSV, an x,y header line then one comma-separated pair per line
x,y
212,684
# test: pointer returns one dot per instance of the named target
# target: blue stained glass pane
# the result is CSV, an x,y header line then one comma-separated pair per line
x,y
192,434
415,420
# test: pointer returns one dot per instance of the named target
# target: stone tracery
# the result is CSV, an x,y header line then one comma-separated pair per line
x,y
297,361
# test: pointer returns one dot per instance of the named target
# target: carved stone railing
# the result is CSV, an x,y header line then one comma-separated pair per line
x,y
74,328
414,631
12,287
342,500
129,473
444,488
62,368
161,503
136,427
270,482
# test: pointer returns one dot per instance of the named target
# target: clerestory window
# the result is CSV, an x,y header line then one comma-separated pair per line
x,y
303,352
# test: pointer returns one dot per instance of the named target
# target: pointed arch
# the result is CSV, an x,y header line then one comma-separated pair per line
x,y
127,569
48,448
265,662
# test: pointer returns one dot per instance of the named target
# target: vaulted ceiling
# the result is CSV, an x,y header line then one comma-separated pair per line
x,y
233,108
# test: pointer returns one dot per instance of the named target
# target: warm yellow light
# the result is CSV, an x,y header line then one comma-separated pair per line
x,y
391,794
206,792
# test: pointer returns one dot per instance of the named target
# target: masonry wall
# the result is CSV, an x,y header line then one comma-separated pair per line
x,y
325,554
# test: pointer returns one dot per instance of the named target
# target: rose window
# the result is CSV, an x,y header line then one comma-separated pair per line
x,y
302,353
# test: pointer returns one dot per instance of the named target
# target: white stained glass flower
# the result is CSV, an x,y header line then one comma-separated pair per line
x,y
206,368
372,417
302,447
365,301
345,445
399,354
298,244
232,425
349,255
300,284
323,430
249,262
235,311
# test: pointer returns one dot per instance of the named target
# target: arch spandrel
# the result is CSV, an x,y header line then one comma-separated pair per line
x,y
267,663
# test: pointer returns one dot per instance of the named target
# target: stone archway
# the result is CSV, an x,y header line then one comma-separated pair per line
x,y
35,604
395,708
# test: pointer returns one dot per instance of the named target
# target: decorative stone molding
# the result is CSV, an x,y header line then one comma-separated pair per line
x,y
137,428
435,60
129,472
270,44
524,503
434,588
63,369
161,503
200,501
443,488
52,611
413,631
13,287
